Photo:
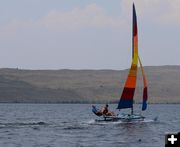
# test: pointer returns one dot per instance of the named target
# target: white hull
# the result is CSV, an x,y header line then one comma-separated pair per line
x,y
124,117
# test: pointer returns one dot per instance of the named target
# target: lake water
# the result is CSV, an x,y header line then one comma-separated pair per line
x,y
74,125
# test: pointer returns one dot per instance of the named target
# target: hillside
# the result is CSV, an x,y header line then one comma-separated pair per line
x,y
85,86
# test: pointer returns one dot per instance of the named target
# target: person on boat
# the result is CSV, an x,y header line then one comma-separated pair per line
x,y
96,111
106,112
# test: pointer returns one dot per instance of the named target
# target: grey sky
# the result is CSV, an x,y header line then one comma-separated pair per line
x,y
88,34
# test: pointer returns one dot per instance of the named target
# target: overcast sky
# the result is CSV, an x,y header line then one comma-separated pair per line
x,y
87,34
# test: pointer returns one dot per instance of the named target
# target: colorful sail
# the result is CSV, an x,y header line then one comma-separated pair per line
x,y
126,100
145,90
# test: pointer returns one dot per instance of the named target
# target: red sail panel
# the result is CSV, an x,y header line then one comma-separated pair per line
x,y
126,100
145,90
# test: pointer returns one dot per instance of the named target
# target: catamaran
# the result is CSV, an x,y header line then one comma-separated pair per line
x,y
126,99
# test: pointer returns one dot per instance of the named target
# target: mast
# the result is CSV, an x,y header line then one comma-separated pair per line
x,y
132,111
126,100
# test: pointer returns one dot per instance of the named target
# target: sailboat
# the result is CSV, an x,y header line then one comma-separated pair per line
x,y
127,97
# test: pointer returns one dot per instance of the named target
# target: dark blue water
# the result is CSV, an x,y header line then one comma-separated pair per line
x,y
73,125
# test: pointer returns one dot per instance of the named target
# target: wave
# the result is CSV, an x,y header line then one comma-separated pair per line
x,y
23,124
74,128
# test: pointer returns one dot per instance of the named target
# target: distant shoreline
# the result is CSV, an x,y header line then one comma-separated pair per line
x,y
85,103
86,86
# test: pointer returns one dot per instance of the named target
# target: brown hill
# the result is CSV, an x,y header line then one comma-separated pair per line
x,y
86,86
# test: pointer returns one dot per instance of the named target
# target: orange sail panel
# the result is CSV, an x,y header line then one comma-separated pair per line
x,y
145,90
126,100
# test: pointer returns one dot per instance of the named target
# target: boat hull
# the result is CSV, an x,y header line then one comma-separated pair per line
x,y
124,117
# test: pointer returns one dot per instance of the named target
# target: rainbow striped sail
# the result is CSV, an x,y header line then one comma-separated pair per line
x,y
126,100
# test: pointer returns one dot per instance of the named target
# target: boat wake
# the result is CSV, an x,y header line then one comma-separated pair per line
x,y
19,124
103,122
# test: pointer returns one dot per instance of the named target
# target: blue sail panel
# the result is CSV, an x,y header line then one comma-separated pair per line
x,y
125,104
144,105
